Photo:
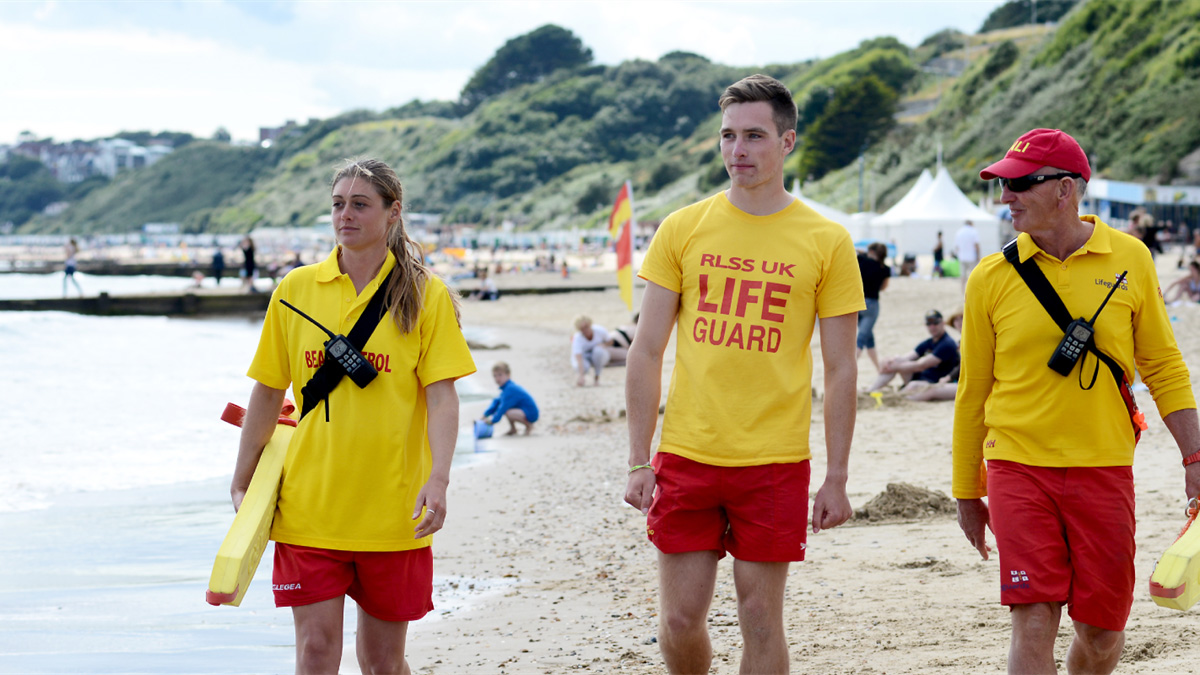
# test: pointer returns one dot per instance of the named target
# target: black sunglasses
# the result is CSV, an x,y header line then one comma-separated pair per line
x,y
1025,182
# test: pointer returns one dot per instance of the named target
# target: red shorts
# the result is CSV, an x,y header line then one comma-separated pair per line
x,y
388,585
756,513
1065,535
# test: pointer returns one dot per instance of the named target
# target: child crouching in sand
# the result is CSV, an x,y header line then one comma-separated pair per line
x,y
513,402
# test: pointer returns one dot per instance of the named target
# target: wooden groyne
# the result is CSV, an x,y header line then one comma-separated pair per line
x,y
157,304
210,303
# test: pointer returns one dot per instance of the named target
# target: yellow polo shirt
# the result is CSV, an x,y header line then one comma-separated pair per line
x,y
1011,406
351,483
751,289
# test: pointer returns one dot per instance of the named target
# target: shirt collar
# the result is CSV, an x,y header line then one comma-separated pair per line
x,y
328,269
1099,242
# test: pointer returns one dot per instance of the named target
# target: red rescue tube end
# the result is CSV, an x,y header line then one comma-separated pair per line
x,y
217,599
234,414
1160,591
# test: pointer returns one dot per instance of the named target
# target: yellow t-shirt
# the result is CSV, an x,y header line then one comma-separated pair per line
x,y
1011,406
751,288
351,483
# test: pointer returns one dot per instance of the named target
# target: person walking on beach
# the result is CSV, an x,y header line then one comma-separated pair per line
x,y
249,271
1058,452
218,264
365,477
939,254
70,250
743,276
514,403
966,249
875,277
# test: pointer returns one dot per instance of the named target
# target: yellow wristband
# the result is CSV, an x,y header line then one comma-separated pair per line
x,y
641,466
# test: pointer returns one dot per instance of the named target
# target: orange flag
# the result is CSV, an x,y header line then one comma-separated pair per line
x,y
620,228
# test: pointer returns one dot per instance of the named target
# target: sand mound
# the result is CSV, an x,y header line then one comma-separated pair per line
x,y
479,345
888,398
901,501
601,418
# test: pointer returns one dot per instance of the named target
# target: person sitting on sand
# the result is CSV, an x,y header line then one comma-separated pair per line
x,y
592,349
621,339
487,287
930,361
947,386
1187,288
513,403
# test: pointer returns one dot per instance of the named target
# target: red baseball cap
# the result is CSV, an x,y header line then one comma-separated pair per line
x,y
1038,148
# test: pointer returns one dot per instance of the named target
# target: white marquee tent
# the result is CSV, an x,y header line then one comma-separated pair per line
x,y
880,231
941,207
836,215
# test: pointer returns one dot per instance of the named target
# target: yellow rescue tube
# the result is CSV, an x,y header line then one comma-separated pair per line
x,y
1175,582
240,552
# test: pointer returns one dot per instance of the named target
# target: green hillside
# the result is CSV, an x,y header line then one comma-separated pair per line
x,y
550,150
1122,76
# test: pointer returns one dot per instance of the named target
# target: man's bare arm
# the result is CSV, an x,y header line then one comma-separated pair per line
x,y
831,506
643,386
1185,428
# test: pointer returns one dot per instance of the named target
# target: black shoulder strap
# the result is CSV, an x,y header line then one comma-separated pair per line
x,y
330,373
1040,286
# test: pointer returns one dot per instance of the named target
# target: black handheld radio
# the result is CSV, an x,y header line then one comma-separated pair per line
x,y
338,348
1078,337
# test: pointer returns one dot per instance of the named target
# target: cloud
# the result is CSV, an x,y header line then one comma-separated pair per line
x,y
93,68
146,81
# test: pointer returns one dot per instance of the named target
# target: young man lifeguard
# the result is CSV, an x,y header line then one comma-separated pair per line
x,y
742,276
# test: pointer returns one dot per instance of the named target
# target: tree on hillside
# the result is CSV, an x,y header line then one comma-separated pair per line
x,y
942,42
1000,59
26,187
176,139
859,114
1022,12
813,106
525,59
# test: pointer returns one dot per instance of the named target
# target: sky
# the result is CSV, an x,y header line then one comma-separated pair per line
x,y
88,69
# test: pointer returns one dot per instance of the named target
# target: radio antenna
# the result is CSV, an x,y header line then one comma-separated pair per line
x,y
331,335
1097,314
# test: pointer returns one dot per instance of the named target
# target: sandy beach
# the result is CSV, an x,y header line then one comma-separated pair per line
x,y
904,594
542,568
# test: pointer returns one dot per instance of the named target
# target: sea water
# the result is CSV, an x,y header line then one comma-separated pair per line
x,y
112,403
114,496
40,286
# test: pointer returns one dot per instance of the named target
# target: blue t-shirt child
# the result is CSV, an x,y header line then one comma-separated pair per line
x,y
512,395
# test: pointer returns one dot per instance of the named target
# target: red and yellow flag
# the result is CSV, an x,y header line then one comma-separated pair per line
x,y
620,228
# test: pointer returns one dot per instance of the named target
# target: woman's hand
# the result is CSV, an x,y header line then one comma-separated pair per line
x,y
432,499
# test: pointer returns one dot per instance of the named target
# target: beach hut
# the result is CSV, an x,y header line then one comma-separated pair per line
x,y
940,207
